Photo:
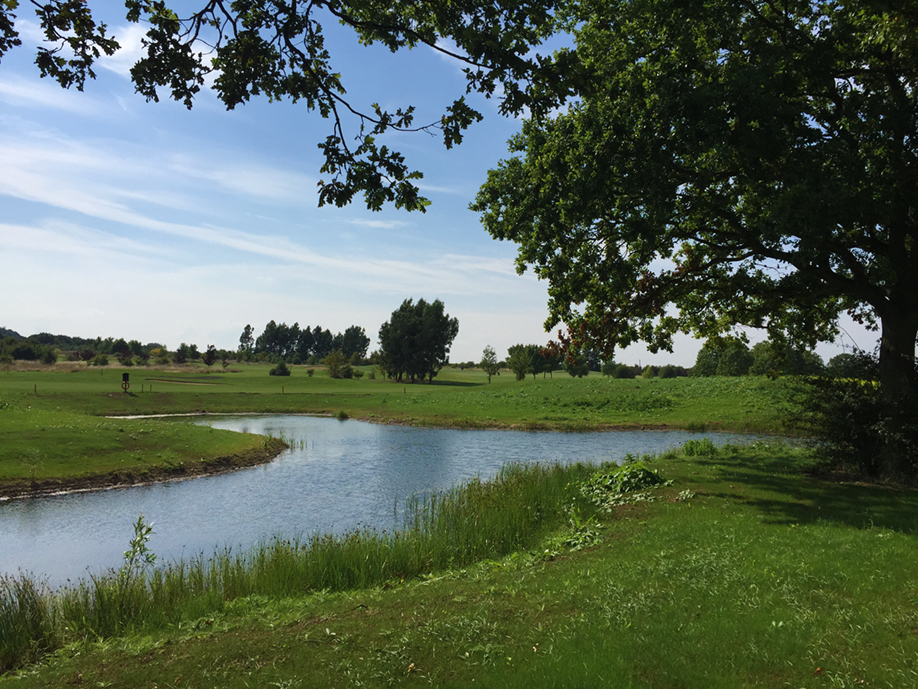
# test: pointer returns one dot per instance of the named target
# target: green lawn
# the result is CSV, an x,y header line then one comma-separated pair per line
x,y
745,572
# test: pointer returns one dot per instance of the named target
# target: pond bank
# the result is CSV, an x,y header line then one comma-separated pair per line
x,y
13,490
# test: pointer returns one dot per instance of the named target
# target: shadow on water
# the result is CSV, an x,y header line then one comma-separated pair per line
x,y
784,493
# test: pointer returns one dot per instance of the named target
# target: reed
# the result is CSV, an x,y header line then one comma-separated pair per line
x,y
450,529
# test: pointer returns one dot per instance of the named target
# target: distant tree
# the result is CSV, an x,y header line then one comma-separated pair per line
x,y
247,343
668,371
180,356
135,347
608,367
305,343
415,341
489,362
774,358
593,360
623,372
519,361
86,354
26,350
576,365
322,342
858,366
723,357
210,356
649,372
354,340
280,369
120,348
7,359
337,364
193,352
100,360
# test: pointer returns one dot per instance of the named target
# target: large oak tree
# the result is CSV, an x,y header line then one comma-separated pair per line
x,y
731,162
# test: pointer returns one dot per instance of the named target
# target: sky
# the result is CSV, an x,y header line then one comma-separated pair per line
x,y
147,221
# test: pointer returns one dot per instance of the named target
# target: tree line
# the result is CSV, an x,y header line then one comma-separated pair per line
x,y
293,345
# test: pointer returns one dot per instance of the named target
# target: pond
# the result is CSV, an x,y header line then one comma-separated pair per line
x,y
338,476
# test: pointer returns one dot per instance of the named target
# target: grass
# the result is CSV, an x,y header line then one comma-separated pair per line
x,y
50,425
744,572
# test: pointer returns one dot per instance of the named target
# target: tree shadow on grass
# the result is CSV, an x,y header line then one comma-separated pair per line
x,y
785,494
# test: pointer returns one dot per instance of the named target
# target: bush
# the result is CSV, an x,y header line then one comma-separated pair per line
x,y
310,372
852,429
280,370
648,372
99,360
668,371
699,448
622,371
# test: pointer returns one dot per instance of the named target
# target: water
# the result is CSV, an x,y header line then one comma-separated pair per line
x,y
340,475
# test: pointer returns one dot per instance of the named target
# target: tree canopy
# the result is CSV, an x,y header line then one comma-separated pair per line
x,y
415,341
277,49
729,163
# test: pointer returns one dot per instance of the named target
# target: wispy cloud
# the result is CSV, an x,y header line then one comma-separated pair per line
x,y
378,224
36,94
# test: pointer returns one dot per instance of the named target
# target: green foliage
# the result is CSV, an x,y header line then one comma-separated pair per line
x,y
489,362
723,357
613,486
210,356
280,370
576,366
859,365
854,429
415,341
648,372
338,366
702,447
99,360
725,166
772,358
519,361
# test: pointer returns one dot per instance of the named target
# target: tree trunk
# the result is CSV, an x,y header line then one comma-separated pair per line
x,y
897,391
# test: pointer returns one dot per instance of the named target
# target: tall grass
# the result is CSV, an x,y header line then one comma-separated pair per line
x,y
475,521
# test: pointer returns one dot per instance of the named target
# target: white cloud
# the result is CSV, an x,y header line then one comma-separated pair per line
x,y
129,38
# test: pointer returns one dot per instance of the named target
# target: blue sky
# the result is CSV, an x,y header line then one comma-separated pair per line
x,y
151,222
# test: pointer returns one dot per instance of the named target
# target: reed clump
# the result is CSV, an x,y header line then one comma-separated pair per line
x,y
475,521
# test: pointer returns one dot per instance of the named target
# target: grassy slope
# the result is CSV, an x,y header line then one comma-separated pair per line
x,y
49,425
766,578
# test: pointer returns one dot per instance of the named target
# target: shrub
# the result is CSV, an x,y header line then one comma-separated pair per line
x,y
702,447
610,486
280,370
622,371
99,360
648,372
310,372
851,428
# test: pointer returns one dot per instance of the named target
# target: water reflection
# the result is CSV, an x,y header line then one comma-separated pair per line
x,y
338,476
